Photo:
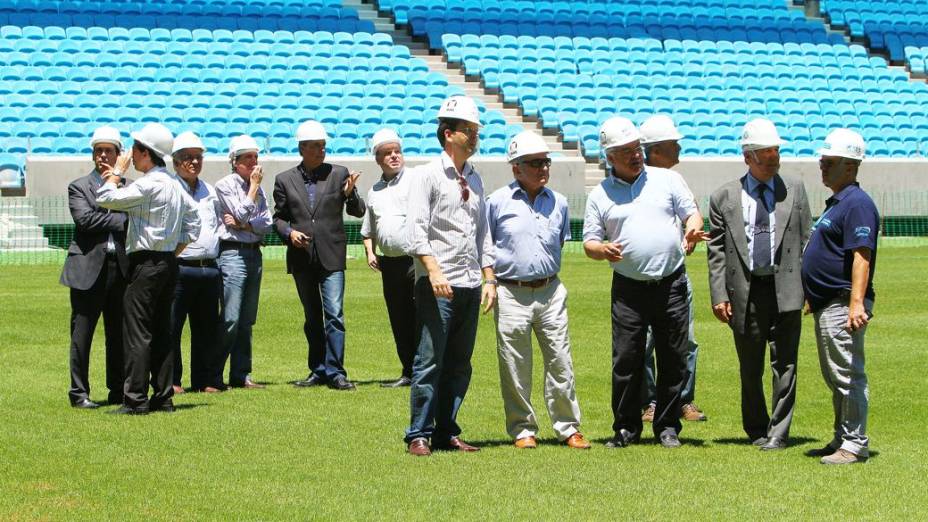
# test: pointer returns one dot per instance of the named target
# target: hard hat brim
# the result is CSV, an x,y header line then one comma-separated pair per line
x,y
836,154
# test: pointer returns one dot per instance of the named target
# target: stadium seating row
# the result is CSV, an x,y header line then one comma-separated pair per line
x,y
182,35
188,21
888,26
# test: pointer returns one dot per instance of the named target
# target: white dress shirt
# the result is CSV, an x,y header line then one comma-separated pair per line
x,y
385,220
209,210
441,224
161,212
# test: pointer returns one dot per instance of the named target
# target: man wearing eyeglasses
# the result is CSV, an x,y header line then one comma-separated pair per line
x,y
448,239
759,226
96,270
631,221
837,274
199,283
529,224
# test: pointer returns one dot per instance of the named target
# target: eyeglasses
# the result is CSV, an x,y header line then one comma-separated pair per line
x,y
192,157
628,152
465,191
100,151
537,163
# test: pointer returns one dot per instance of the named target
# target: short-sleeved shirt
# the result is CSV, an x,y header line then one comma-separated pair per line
x,y
385,219
850,221
642,218
527,236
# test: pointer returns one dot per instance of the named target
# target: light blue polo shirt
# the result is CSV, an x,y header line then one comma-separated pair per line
x,y
642,218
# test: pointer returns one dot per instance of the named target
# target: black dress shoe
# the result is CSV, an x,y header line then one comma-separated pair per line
x,y
85,404
165,407
311,380
669,439
126,410
775,443
622,439
399,383
341,383
759,441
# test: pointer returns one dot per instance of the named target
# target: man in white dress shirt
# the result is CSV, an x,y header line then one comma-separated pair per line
x,y
162,221
384,229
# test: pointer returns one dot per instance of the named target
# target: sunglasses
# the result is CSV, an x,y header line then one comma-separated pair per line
x,y
465,190
537,163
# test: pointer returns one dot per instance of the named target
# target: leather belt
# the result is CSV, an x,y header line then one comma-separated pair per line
x,y
535,283
238,245
201,263
653,282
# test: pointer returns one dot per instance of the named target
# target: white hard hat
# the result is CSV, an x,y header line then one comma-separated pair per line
x,y
157,137
617,131
311,130
382,137
187,140
844,143
461,108
106,135
525,143
759,134
659,128
241,144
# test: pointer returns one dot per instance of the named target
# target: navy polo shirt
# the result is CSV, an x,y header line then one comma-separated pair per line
x,y
850,221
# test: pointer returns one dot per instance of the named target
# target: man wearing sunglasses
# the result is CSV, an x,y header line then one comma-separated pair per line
x,y
199,283
837,275
529,224
632,220
448,239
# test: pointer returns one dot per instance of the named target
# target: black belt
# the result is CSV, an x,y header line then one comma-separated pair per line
x,y
535,283
238,245
653,282
201,263
150,254
763,278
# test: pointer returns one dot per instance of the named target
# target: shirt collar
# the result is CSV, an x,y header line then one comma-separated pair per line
x,y
97,177
843,193
447,164
516,189
395,179
617,180
753,182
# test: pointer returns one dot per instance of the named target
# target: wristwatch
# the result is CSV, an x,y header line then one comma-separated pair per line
x,y
493,282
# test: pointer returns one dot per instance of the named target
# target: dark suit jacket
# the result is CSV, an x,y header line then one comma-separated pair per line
x,y
729,277
94,224
323,223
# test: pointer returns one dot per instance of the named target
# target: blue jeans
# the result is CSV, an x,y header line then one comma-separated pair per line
x,y
649,386
441,369
241,285
322,294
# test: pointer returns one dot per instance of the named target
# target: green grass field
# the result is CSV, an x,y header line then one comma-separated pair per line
x,y
296,454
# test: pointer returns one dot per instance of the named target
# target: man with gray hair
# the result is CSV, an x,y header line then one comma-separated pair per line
x,y
245,221
384,229
199,283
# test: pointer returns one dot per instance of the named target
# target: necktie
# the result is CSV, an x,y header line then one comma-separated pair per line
x,y
762,256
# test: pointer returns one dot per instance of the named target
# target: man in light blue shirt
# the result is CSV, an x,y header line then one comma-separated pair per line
x,y
631,221
529,224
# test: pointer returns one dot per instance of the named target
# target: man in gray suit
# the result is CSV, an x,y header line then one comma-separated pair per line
x,y
759,226
95,270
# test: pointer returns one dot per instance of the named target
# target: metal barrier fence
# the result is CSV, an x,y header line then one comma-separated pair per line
x,y
39,230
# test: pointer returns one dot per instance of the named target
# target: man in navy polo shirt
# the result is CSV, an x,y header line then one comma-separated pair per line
x,y
837,275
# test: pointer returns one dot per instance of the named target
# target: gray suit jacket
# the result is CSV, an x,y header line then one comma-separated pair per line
x,y
93,226
729,277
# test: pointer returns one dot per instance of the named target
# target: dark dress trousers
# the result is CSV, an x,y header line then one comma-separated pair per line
x,y
765,310
313,203
97,281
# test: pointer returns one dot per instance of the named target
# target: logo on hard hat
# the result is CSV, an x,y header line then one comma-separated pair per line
x,y
856,150
513,147
451,104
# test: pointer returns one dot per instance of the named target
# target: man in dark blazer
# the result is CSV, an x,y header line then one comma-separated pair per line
x,y
759,226
309,201
95,270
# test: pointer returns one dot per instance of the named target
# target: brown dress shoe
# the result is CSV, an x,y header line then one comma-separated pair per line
x,y
456,444
527,443
252,385
178,390
648,414
419,447
843,456
577,441
210,389
691,413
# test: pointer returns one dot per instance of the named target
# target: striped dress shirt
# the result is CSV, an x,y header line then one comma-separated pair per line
x,y
232,191
441,224
161,213
210,212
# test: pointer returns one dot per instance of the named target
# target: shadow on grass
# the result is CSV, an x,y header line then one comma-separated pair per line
x,y
744,441
650,440
378,382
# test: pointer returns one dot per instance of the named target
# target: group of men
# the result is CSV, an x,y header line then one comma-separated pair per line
x,y
446,250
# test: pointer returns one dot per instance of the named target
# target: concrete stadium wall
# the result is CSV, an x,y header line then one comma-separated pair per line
x,y
900,187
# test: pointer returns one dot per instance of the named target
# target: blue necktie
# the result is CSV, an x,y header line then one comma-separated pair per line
x,y
762,254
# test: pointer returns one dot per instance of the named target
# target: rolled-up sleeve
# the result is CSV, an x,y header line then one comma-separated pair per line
x,y
125,198
485,250
367,224
242,209
417,220
261,221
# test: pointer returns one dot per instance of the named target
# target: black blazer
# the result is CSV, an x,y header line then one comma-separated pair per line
x,y
87,251
323,223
